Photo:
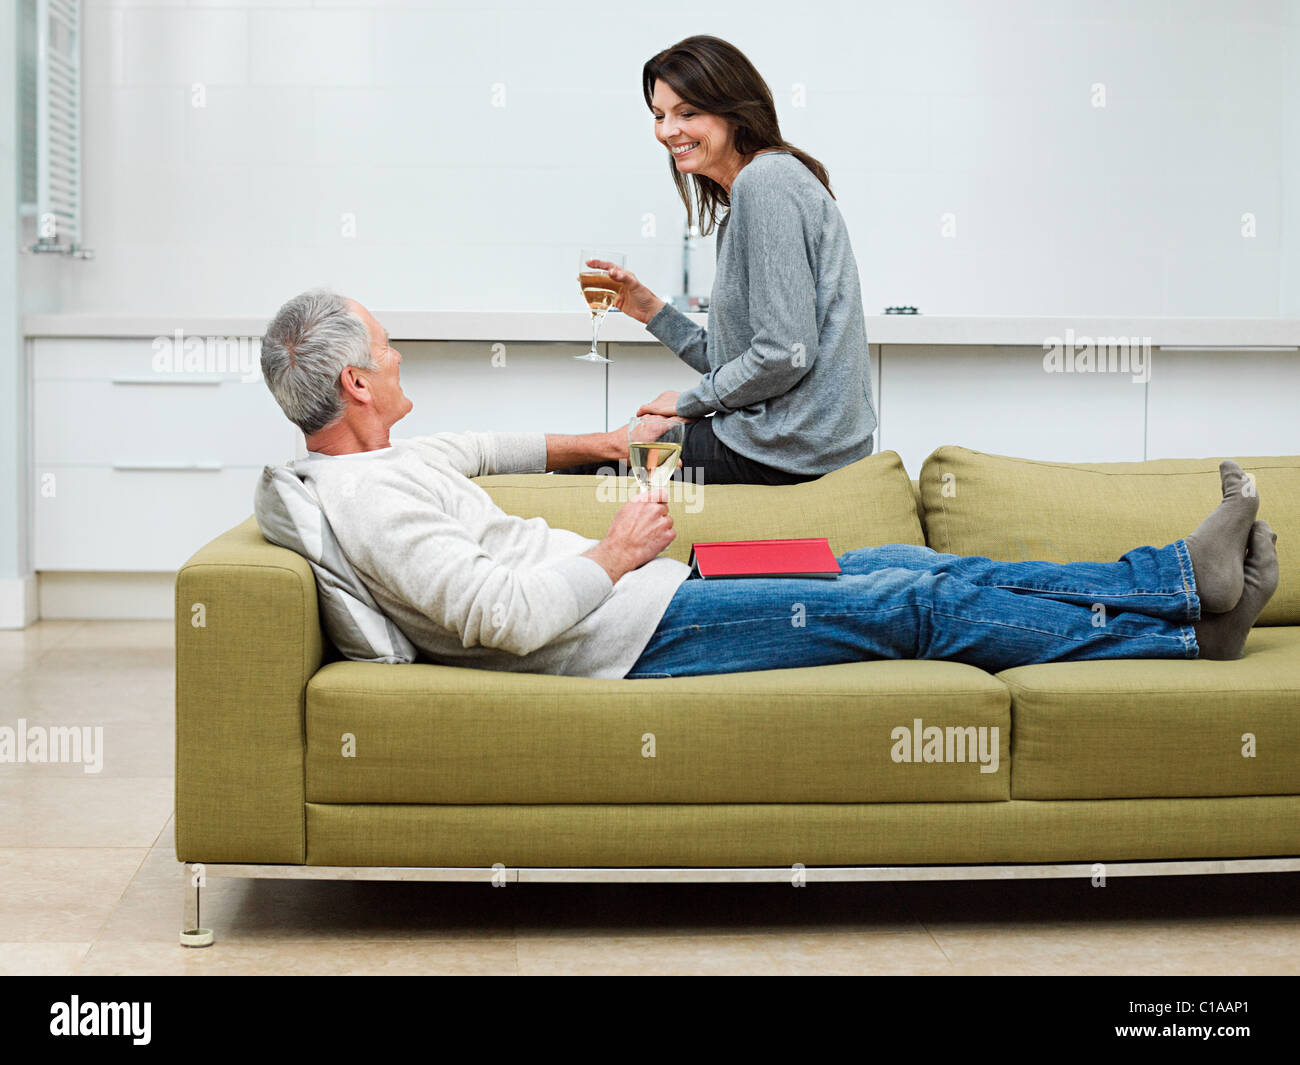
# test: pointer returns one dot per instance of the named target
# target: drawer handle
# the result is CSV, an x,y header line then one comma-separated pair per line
x,y
1226,347
162,379
170,467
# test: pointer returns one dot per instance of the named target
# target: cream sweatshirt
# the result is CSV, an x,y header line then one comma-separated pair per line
x,y
471,585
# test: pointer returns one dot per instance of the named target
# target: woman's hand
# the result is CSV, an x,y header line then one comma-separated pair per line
x,y
654,426
664,404
651,428
636,301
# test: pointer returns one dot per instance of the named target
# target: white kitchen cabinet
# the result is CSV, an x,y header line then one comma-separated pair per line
x,y
1001,400
1224,402
134,468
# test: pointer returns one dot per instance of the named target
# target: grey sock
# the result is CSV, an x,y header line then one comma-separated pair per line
x,y
1223,636
1218,547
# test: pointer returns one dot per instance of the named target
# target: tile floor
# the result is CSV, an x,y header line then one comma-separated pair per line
x,y
89,883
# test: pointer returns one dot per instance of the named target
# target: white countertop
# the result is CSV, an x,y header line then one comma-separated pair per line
x,y
541,326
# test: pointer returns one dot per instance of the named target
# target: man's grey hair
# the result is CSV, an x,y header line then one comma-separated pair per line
x,y
308,343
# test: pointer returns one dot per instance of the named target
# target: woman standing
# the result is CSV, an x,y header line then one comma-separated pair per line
x,y
786,389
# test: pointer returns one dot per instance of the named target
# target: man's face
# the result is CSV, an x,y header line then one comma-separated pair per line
x,y
384,382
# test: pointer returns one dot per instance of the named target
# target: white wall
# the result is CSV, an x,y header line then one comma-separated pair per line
x,y
320,108
1290,273
13,387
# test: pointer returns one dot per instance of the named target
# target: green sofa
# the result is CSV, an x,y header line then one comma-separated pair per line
x,y
291,762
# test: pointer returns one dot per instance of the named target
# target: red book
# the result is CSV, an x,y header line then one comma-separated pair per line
x,y
810,557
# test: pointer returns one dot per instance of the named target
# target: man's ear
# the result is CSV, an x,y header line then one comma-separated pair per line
x,y
353,382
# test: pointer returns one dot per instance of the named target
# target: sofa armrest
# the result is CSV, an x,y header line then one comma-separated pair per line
x,y
248,639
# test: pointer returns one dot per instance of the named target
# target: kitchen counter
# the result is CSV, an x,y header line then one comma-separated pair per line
x,y
566,327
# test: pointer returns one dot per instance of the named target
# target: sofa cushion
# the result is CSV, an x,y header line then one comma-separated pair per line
x,y
290,516
866,503
1124,728
445,734
1018,509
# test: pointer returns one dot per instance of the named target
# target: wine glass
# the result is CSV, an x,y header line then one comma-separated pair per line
x,y
653,458
601,292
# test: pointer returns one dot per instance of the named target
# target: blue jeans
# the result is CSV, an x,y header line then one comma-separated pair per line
x,y
902,601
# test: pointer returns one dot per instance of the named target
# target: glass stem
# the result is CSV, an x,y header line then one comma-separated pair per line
x,y
596,316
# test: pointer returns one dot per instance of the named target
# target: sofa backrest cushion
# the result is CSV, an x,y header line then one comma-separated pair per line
x,y
866,503
1019,509
290,516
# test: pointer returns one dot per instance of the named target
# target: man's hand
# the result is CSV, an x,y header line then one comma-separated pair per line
x,y
641,529
664,404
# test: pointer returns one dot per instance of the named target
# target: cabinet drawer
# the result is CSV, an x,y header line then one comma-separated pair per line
x,y
99,422
103,358
1207,402
99,518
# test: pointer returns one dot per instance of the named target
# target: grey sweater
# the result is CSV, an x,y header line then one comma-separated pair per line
x,y
785,358
468,583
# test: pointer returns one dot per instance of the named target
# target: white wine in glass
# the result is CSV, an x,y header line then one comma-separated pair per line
x,y
653,459
601,293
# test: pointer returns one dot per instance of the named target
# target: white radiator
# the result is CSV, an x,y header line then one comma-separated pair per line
x,y
50,98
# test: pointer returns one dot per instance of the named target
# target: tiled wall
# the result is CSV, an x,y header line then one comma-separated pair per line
x,y
321,115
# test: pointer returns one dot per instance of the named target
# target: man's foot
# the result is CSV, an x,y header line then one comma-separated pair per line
x,y
1223,636
1218,546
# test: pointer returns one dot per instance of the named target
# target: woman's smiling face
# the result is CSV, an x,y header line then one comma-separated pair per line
x,y
678,125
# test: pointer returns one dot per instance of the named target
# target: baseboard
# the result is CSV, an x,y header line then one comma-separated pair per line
x,y
18,602
117,596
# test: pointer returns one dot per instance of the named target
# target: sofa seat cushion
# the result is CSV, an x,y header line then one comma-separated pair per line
x,y
1018,509
1127,728
863,504
425,733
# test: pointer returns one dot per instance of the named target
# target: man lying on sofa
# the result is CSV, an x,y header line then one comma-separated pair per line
x,y
471,585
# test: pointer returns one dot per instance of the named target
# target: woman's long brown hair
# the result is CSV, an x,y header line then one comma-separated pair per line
x,y
716,77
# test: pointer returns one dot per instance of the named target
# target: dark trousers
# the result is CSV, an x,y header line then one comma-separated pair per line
x,y
709,461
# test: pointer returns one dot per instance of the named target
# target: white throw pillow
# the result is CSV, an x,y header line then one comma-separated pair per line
x,y
290,516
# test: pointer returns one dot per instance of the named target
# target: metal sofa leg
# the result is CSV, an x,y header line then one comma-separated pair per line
x,y
191,934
